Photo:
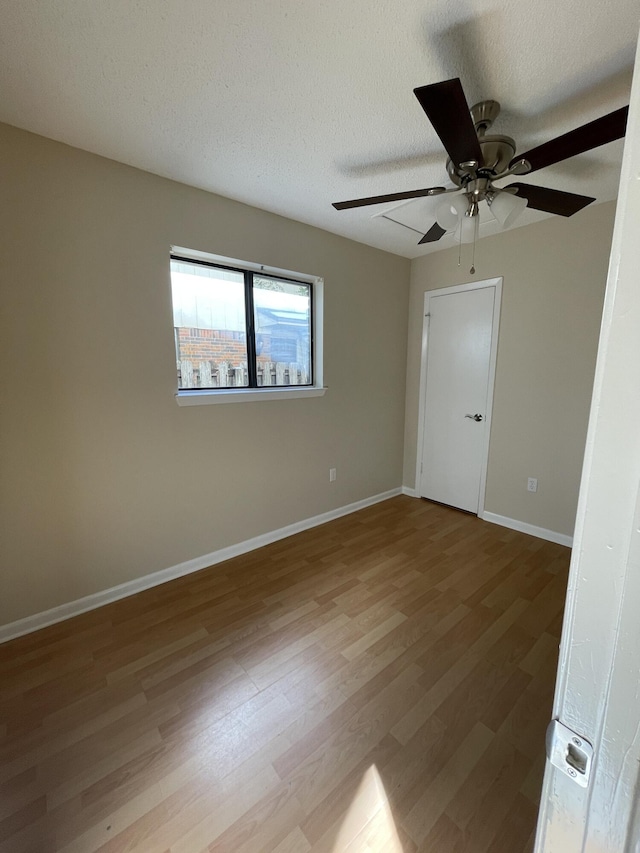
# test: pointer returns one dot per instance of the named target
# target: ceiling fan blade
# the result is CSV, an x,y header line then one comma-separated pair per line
x,y
592,135
447,110
434,233
552,201
379,199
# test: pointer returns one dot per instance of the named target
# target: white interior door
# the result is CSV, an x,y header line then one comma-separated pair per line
x,y
461,335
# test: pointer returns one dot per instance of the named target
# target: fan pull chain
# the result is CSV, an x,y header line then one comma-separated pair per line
x,y
475,237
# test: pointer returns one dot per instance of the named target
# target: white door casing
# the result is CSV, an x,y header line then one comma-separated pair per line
x,y
459,347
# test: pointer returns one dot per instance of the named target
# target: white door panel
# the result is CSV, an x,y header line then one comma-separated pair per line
x,y
458,375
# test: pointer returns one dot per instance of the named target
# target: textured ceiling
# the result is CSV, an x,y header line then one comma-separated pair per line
x,y
292,104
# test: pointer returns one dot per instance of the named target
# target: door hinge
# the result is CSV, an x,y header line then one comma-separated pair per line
x,y
569,752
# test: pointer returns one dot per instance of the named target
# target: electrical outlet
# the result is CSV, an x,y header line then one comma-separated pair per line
x,y
532,484
332,475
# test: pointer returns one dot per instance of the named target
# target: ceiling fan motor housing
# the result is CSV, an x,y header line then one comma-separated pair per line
x,y
497,153
497,150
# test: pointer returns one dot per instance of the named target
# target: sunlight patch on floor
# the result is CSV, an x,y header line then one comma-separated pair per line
x,y
368,826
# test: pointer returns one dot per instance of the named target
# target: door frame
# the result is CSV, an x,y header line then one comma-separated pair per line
x,y
495,324
599,665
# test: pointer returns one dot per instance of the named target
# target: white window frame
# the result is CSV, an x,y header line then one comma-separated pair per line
x,y
209,396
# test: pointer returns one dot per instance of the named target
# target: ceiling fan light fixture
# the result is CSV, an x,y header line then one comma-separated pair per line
x,y
475,160
506,207
449,213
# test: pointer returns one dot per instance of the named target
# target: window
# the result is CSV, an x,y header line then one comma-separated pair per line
x,y
242,331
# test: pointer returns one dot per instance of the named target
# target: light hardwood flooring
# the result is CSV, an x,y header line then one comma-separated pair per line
x,y
380,683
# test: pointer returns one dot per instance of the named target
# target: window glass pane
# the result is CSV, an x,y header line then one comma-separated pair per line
x,y
283,331
209,326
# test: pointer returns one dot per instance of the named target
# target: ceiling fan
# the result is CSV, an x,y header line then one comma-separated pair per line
x,y
476,160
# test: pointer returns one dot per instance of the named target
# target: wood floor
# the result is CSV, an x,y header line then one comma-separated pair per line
x,y
380,683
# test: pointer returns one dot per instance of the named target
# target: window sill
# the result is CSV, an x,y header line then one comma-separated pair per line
x,y
242,395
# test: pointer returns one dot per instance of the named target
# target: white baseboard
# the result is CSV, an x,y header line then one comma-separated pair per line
x,y
531,529
98,599
412,493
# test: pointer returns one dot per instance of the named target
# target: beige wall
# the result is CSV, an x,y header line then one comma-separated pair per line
x,y
554,278
94,469
104,477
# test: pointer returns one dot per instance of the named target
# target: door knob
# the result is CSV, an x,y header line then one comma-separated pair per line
x,y
474,417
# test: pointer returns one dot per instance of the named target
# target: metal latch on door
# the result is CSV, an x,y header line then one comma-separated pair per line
x,y
474,417
569,752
